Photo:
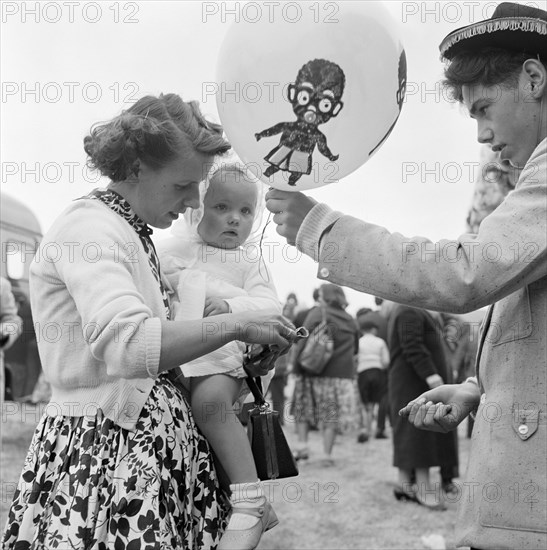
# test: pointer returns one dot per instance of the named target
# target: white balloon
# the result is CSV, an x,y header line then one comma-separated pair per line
x,y
321,93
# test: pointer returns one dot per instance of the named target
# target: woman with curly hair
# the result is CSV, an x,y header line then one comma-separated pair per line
x,y
117,461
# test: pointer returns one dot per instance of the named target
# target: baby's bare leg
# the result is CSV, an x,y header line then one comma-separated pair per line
x,y
212,399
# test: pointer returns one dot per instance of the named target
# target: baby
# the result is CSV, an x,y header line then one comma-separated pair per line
x,y
213,272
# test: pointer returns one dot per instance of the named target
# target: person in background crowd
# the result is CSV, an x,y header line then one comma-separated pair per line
x,y
381,317
11,326
362,434
303,313
418,362
449,332
289,308
290,382
327,399
361,312
372,360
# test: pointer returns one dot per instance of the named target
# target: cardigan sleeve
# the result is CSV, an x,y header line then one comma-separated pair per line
x,y
110,290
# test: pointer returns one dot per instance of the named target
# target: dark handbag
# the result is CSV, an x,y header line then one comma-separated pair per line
x,y
271,452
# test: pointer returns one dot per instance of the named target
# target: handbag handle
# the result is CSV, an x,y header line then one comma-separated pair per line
x,y
255,385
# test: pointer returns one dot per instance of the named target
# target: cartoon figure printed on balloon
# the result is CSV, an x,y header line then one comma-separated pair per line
x,y
399,97
315,98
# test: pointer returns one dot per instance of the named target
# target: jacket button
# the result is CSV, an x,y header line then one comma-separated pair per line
x,y
523,429
324,272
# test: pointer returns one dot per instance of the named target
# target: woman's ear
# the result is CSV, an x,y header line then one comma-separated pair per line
x,y
536,75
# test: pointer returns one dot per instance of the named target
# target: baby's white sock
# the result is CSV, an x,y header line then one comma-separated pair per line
x,y
245,495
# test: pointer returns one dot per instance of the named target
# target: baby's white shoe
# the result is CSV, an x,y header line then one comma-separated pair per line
x,y
240,537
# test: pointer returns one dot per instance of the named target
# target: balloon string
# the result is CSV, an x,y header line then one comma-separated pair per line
x,y
261,257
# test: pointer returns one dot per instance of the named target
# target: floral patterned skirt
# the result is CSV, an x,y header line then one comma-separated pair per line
x,y
87,483
322,400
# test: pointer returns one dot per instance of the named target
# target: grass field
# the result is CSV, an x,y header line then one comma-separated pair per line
x,y
348,506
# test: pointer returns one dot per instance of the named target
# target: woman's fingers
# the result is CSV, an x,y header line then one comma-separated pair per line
x,y
283,334
288,334
265,327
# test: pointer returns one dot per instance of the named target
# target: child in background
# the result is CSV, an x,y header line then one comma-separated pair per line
x,y
373,359
212,265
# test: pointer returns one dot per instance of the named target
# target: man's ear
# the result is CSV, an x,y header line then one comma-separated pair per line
x,y
536,74
337,108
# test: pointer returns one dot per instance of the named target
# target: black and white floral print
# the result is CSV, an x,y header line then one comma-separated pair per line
x,y
89,484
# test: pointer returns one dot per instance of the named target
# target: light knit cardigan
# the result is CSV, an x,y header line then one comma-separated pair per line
x,y
97,311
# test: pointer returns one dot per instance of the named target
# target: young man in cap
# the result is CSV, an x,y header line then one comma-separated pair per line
x,y
496,68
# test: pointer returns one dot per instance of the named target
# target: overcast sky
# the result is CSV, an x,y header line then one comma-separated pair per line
x,y
67,65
